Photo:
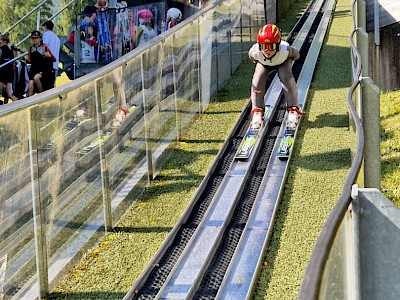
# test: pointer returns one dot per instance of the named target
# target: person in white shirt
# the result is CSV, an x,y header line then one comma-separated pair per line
x,y
270,53
145,31
53,42
174,16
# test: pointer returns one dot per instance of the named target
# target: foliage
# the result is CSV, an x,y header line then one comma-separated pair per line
x,y
68,16
12,11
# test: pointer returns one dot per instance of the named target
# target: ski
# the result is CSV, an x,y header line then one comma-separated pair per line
x,y
249,141
286,140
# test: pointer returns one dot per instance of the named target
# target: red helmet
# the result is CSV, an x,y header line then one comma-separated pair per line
x,y
269,34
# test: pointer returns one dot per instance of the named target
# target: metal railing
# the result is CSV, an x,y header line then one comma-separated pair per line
x,y
332,268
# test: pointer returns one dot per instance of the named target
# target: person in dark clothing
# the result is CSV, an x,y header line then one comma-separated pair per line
x,y
6,72
90,11
41,60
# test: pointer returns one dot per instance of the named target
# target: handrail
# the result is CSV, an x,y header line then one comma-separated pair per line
x,y
312,279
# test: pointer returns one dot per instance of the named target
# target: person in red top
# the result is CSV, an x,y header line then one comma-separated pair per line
x,y
41,60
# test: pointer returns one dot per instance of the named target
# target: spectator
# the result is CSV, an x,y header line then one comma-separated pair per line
x,y
90,11
53,42
174,16
41,60
144,31
98,14
6,72
88,43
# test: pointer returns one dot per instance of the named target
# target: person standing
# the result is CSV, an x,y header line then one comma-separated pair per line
x,y
271,53
174,16
90,11
145,31
41,60
6,72
53,42
98,14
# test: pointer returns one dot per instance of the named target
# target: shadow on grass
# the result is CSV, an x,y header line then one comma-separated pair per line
x,y
390,166
86,295
386,135
329,120
209,141
394,114
342,14
142,229
326,161
223,112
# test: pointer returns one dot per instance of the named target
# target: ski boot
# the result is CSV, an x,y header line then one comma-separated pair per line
x,y
293,117
258,118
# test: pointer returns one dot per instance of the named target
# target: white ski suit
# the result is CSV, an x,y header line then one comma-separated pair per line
x,y
282,62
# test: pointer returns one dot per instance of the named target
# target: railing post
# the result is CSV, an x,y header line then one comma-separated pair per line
x,y
149,154
371,124
199,81
39,215
362,46
229,38
355,211
105,185
38,19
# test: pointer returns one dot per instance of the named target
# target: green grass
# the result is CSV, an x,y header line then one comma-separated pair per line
x,y
390,145
319,166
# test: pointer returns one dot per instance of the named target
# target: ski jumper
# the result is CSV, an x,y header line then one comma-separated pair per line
x,y
282,62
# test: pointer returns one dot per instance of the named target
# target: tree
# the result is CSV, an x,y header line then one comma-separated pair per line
x,y
13,11
68,16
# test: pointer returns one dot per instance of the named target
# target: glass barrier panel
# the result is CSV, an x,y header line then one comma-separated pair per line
x,y
185,55
160,102
271,10
249,33
238,52
336,282
129,163
118,118
208,67
17,243
69,172
257,14
222,25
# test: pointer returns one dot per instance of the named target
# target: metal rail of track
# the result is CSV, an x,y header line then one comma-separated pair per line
x,y
235,204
